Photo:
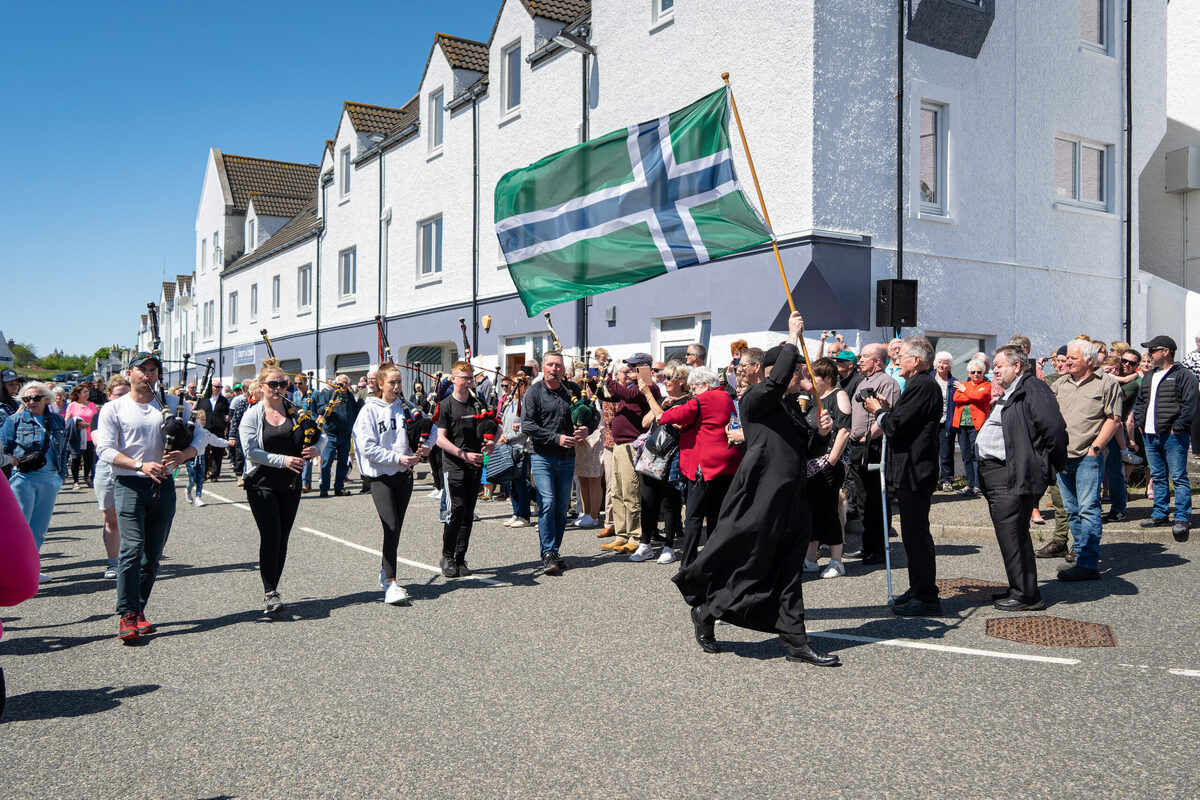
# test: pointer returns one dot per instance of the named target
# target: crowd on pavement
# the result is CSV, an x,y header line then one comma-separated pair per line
x,y
740,474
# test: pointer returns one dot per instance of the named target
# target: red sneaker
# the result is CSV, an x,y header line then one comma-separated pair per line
x,y
128,631
144,627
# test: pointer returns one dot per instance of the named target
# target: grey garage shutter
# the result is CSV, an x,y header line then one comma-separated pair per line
x,y
351,361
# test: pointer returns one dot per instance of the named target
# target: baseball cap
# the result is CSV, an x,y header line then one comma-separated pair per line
x,y
639,360
845,355
237,386
141,358
9,375
1162,341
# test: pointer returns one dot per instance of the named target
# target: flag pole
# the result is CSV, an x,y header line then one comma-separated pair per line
x,y
774,244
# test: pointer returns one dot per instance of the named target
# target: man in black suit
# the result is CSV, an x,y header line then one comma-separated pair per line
x,y
912,448
1021,446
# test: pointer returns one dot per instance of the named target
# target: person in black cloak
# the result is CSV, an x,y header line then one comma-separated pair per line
x,y
749,573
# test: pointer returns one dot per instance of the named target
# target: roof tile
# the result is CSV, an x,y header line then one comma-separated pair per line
x,y
558,10
270,205
464,53
373,119
248,175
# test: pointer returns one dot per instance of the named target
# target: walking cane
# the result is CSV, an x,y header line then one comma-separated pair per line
x,y
887,544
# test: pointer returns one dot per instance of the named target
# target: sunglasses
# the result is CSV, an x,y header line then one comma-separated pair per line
x,y
1133,362
277,384
33,398
974,372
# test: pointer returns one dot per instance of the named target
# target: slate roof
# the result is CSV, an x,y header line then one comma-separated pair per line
x,y
168,291
300,226
373,119
248,175
558,10
270,205
464,53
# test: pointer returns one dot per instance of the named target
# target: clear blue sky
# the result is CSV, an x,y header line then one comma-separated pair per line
x,y
109,112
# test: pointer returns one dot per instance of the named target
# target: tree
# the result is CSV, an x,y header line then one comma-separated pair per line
x,y
25,354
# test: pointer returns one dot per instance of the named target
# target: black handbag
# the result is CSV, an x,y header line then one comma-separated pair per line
x,y
662,440
32,462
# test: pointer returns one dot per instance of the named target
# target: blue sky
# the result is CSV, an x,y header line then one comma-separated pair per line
x,y
109,112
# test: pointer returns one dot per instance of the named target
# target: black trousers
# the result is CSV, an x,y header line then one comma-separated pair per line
x,y
918,543
391,494
659,496
464,491
822,490
274,512
869,497
236,460
704,499
435,466
1010,517
88,458
213,456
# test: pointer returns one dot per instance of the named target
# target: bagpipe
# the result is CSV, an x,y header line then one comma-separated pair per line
x,y
205,391
177,434
305,430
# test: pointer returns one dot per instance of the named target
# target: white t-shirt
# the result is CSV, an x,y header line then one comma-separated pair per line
x,y
1154,382
135,429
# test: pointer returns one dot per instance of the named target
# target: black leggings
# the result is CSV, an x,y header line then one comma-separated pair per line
x,y
659,494
823,494
88,457
391,494
274,512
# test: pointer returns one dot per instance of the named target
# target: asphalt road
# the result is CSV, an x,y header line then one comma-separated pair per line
x,y
584,685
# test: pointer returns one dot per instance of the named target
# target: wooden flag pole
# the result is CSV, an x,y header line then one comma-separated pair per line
x,y
774,244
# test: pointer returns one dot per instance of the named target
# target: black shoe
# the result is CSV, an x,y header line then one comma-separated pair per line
x,y
364,490
704,632
918,608
1013,604
324,493
559,560
341,493
449,568
1180,531
550,566
1114,516
463,570
1078,573
806,654
1001,595
902,598
1155,522
871,559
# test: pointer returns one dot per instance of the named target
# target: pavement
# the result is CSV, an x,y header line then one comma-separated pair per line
x,y
513,684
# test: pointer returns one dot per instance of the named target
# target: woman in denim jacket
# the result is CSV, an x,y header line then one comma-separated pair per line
x,y
24,432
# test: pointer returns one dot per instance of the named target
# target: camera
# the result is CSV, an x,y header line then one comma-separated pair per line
x,y
864,393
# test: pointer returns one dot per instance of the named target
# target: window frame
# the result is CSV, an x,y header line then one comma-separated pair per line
x,y
348,289
304,298
1104,47
250,238
1076,199
253,302
941,207
437,121
700,331
662,12
435,270
344,169
232,310
207,316
276,293
216,240
203,253
506,76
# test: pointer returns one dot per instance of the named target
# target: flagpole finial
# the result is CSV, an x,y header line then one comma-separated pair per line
x,y
725,77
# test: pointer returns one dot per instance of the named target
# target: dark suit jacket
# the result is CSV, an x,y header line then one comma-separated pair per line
x,y
1035,437
912,438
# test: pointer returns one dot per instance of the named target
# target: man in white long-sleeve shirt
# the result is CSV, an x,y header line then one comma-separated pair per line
x,y
129,438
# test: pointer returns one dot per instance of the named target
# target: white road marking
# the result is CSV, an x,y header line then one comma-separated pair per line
x,y
1183,673
323,535
966,651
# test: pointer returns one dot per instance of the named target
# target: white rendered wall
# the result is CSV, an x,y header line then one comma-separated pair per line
x,y
210,216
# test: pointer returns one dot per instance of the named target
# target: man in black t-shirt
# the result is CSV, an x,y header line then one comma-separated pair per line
x,y
462,465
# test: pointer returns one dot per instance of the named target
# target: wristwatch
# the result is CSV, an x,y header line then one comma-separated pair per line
x,y
137,466
1095,450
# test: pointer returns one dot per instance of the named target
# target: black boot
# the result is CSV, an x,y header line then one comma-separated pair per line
x,y
703,627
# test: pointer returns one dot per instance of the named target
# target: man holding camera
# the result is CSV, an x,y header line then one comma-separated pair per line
x,y
912,467
864,449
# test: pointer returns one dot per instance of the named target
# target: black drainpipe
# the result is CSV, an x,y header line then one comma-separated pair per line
x,y
900,20
1128,170
475,222
581,305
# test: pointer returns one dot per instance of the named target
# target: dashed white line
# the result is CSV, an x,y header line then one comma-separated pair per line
x,y
967,651
332,538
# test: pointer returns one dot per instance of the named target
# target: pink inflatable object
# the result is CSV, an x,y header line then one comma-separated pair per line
x,y
19,561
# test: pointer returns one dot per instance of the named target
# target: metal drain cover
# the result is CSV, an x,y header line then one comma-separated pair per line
x,y
970,589
1051,631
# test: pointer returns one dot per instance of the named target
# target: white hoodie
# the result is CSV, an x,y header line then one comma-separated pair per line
x,y
380,438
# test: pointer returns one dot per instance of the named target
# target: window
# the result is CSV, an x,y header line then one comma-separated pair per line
x,y
304,286
253,301
1094,29
674,334
347,273
661,11
250,236
1081,173
203,253
511,77
933,158
430,257
232,310
435,121
344,169
216,260
208,318
275,295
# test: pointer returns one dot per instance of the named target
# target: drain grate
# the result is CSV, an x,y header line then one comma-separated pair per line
x,y
1051,632
970,589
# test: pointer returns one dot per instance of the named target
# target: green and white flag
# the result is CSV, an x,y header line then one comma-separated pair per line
x,y
626,207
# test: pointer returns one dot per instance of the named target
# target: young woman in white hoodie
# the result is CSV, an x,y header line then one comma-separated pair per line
x,y
384,443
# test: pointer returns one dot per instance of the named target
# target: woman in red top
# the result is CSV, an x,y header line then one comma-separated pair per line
x,y
972,402
706,458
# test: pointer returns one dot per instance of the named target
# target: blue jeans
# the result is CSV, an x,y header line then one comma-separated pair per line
x,y
1114,473
338,449
144,514
552,477
36,493
306,475
1079,485
966,446
1167,454
195,471
518,490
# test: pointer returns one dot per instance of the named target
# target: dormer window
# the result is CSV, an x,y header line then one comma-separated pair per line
x,y
250,235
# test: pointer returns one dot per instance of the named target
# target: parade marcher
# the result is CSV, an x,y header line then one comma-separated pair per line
x,y
37,440
827,472
749,574
912,467
1166,405
339,423
865,451
1090,402
371,390
546,420
463,448
274,461
129,438
385,442
102,486
1022,446
707,460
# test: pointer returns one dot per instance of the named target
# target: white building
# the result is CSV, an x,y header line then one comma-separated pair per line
x,y
998,173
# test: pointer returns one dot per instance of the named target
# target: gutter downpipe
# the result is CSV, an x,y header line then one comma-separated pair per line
x,y
1128,170
581,313
475,94
379,235
900,20
317,281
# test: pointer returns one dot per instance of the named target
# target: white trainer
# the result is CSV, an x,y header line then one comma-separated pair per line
x,y
189,494
519,523
395,595
585,521
510,520
811,566
198,502
667,556
835,569
435,494
644,552
43,577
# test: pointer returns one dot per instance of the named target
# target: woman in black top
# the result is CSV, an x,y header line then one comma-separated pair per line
x,y
274,462
827,473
